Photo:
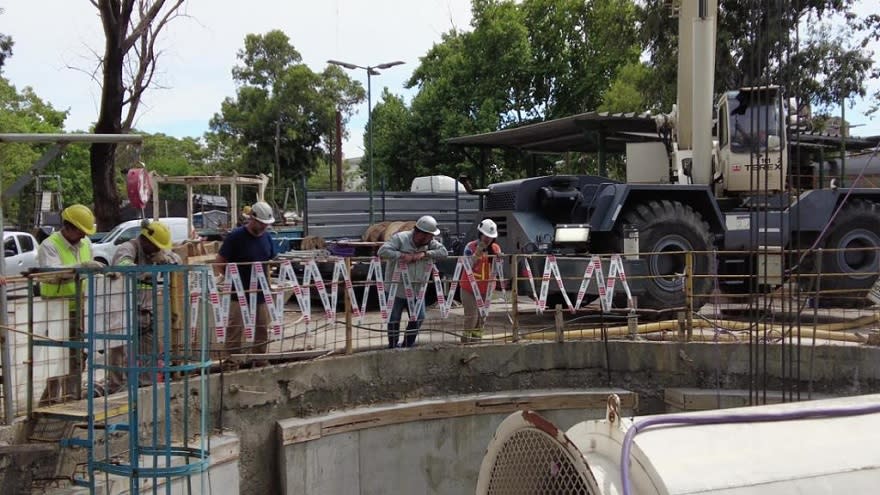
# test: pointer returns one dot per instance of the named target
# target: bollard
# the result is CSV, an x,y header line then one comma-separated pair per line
x,y
689,293
559,324
632,324
349,331
514,296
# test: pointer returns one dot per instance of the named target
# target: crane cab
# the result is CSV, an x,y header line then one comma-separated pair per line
x,y
751,141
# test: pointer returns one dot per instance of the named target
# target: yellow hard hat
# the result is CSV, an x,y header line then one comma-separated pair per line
x,y
158,234
81,217
246,210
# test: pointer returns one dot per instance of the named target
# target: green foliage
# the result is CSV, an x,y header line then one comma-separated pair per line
x,y
323,178
757,44
23,112
523,62
392,143
5,47
283,112
629,91
168,155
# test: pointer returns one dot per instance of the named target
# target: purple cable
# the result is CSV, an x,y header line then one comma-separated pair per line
x,y
679,419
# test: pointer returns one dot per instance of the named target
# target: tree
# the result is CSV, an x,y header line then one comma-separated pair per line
x,y
393,151
758,43
23,112
629,91
5,47
283,112
523,62
128,67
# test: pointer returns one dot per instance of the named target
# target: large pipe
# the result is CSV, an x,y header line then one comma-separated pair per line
x,y
831,331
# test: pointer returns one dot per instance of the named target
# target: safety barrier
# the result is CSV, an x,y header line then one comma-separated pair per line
x,y
343,305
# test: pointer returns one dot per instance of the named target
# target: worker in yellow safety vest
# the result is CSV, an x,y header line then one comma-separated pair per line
x,y
68,248
151,247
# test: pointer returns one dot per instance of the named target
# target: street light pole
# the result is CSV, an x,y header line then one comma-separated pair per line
x,y
370,138
372,70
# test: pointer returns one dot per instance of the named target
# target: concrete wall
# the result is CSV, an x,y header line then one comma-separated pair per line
x,y
432,446
252,401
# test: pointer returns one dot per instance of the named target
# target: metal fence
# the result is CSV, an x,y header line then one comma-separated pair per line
x,y
332,305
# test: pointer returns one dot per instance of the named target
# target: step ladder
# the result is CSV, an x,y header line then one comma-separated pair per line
x,y
47,201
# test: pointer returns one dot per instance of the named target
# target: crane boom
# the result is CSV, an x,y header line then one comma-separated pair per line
x,y
695,91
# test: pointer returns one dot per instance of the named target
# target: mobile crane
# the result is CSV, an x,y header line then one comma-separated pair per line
x,y
690,191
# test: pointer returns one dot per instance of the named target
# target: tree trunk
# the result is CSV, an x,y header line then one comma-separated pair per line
x,y
102,156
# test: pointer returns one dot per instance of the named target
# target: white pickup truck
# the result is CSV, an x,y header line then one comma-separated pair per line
x,y
19,252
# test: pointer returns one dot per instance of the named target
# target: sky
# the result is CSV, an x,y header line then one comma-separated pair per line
x,y
56,42
51,36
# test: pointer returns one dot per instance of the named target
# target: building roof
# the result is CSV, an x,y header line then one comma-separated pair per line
x,y
580,132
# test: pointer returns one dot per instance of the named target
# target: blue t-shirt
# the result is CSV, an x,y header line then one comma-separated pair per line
x,y
240,246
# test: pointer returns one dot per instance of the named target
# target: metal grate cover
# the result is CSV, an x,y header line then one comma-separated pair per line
x,y
501,200
532,462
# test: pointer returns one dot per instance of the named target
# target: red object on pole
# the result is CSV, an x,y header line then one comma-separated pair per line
x,y
138,185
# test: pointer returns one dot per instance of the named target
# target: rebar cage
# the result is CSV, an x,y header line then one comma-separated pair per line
x,y
136,330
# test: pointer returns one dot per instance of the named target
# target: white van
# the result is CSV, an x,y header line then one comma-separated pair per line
x,y
19,252
103,251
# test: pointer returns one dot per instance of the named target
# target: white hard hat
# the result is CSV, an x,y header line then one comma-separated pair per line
x,y
428,224
262,212
488,228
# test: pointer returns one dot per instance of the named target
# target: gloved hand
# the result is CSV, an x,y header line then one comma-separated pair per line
x,y
91,264
219,279
165,258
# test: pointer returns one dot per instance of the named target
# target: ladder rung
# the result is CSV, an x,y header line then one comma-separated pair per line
x,y
74,442
82,482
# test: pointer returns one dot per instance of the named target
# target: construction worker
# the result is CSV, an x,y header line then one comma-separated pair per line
x,y
247,245
151,247
68,247
416,248
479,253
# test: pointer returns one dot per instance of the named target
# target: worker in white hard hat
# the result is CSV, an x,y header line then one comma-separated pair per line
x,y
415,248
245,246
480,254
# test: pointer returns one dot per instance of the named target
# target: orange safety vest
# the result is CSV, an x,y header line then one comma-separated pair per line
x,y
68,259
482,267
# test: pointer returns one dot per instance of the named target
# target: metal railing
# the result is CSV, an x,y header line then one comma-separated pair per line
x,y
786,306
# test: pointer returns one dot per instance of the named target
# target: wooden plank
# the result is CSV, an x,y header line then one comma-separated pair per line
x,y
280,356
78,410
202,259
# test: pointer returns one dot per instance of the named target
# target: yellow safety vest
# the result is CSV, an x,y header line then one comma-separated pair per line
x,y
68,259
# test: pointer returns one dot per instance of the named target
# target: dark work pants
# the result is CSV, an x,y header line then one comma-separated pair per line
x,y
412,328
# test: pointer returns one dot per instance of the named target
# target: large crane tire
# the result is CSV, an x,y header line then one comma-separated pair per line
x,y
667,229
851,259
